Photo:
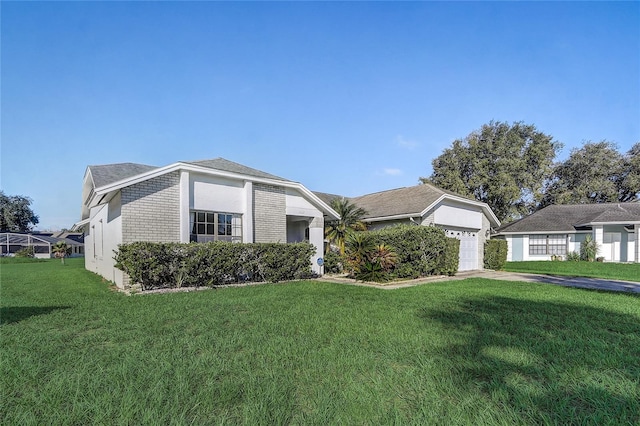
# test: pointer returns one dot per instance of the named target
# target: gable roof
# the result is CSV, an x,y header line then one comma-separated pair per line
x,y
232,167
405,202
108,173
566,217
411,200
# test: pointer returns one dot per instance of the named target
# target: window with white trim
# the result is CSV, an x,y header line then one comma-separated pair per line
x,y
215,226
548,244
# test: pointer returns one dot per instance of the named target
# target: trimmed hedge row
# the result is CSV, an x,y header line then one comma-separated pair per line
x,y
167,265
421,250
495,254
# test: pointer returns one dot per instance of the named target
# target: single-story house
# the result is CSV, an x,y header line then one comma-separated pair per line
x,y
41,243
559,229
468,220
193,201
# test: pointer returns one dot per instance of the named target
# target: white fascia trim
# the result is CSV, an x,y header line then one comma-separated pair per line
x,y
212,172
485,207
633,222
80,224
394,217
543,232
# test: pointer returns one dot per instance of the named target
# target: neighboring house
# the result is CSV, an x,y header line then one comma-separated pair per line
x,y
42,243
193,201
559,229
468,220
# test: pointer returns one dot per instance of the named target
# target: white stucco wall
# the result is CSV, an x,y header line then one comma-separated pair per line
x,y
459,215
105,233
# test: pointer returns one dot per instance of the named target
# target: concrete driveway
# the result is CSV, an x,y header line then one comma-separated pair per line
x,y
579,282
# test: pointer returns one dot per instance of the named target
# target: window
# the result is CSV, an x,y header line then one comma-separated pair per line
x,y
214,226
548,245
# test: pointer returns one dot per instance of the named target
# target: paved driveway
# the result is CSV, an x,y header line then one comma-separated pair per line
x,y
591,283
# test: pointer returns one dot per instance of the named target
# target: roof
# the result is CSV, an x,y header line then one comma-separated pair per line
x,y
401,201
108,173
229,166
566,217
404,202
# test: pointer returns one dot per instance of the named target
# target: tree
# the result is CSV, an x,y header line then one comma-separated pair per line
x,y
16,214
631,181
595,173
503,165
61,250
350,220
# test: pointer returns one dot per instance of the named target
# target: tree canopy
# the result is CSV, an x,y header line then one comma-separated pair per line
x,y
595,173
16,214
504,165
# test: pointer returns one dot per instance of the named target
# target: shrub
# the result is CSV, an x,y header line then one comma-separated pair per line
x,y
333,262
573,256
419,249
450,260
588,249
495,254
27,251
156,265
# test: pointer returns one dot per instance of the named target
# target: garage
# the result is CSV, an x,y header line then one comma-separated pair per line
x,y
468,248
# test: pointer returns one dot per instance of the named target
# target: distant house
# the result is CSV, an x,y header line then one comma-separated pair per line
x,y
468,220
41,243
559,229
209,200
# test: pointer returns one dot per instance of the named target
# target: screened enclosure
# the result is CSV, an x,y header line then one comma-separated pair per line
x,y
12,243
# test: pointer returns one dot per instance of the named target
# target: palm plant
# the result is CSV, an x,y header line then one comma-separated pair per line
x,y
61,250
350,220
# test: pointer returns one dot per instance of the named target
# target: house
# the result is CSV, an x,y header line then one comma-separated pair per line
x,y
468,220
210,200
559,229
41,242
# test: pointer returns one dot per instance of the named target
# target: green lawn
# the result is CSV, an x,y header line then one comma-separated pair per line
x,y
459,352
617,271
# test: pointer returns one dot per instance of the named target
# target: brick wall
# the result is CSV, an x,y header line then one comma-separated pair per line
x,y
151,210
269,214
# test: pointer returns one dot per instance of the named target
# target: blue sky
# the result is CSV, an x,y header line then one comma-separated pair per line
x,y
348,98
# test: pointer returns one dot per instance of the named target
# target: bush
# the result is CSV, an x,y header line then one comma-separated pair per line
x,y
158,265
419,249
495,254
573,256
588,249
27,251
333,262
450,260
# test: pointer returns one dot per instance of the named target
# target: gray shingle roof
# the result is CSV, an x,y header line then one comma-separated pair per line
x,y
327,198
109,173
565,217
401,201
229,166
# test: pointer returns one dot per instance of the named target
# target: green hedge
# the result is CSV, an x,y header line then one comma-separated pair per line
x,y
495,254
450,261
166,265
421,250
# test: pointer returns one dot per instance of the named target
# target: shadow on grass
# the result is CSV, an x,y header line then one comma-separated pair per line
x,y
549,362
13,314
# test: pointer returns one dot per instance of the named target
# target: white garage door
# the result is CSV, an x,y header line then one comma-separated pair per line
x,y
468,248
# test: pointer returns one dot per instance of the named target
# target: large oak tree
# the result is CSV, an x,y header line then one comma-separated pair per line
x,y
504,165
16,214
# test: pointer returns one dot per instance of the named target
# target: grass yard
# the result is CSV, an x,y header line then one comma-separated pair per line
x,y
614,271
460,352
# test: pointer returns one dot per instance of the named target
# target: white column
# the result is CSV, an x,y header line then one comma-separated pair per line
x,y
247,218
598,236
185,198
636,228
316,237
